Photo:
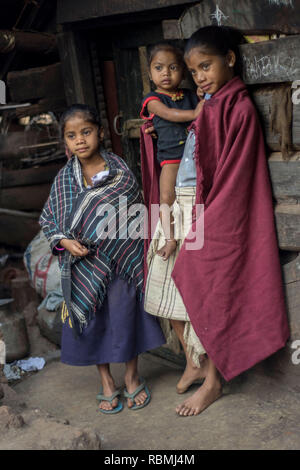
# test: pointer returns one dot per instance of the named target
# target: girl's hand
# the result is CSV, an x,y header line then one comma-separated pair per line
x,y
200,93
74,247
167,249
151,130
198,108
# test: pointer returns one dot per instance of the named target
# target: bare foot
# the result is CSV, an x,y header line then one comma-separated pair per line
x,y
200,400
131,385
108,390
167,249
191,375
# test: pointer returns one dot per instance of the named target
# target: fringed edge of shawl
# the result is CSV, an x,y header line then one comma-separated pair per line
x,y
172,340
193,345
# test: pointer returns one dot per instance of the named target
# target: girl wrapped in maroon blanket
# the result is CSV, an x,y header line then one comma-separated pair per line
x,y
232,286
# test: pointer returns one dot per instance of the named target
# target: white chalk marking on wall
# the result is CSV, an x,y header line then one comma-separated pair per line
x,y
282,2
268,65
219,16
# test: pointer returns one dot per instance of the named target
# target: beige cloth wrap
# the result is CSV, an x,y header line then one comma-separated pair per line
x,y
162,298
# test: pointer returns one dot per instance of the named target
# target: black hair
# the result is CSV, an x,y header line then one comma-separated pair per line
x,y
165,46
218,40
89,114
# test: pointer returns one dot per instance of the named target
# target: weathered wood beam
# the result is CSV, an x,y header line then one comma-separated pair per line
x,y
285,176
20,228
29,176
42,106
32,198
274,61
291,275
12,144
291,271
23,41
69,11
36,83
282,16
171,29
287,218
265,98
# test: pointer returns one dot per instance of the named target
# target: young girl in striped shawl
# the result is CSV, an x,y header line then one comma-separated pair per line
x,y
101,266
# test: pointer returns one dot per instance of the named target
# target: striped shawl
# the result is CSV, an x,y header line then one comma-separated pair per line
x,y
72,211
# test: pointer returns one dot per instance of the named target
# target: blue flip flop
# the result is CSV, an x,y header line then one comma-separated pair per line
x,y
100,397
132,396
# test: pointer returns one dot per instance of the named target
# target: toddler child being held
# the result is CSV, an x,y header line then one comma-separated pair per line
x,y
171,109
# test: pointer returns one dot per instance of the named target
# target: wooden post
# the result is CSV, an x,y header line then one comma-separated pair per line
x,y
144,70
76,68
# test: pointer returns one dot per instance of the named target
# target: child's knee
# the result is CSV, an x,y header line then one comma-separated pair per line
x,y
167,196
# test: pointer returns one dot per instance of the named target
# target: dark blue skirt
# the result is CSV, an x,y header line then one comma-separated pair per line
x,y
119,331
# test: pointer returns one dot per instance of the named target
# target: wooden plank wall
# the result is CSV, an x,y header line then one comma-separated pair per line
x,y
278,16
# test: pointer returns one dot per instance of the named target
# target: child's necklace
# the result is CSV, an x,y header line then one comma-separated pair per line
x,y
176,96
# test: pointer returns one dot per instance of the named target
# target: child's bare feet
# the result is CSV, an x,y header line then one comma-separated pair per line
x,y
167,249
200,400
206,394
191,374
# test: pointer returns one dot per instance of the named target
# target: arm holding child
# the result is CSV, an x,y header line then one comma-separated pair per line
x,y
173,114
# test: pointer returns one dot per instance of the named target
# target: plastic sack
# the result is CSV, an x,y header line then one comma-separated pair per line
x,y
42,265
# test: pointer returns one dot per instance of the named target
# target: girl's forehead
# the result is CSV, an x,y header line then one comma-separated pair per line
x,y
198,55
165,56
77,121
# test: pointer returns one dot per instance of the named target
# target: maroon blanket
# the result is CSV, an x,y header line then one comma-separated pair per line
x,y
150,179
232,287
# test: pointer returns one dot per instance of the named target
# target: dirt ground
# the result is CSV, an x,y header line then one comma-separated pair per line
x,y
55,408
